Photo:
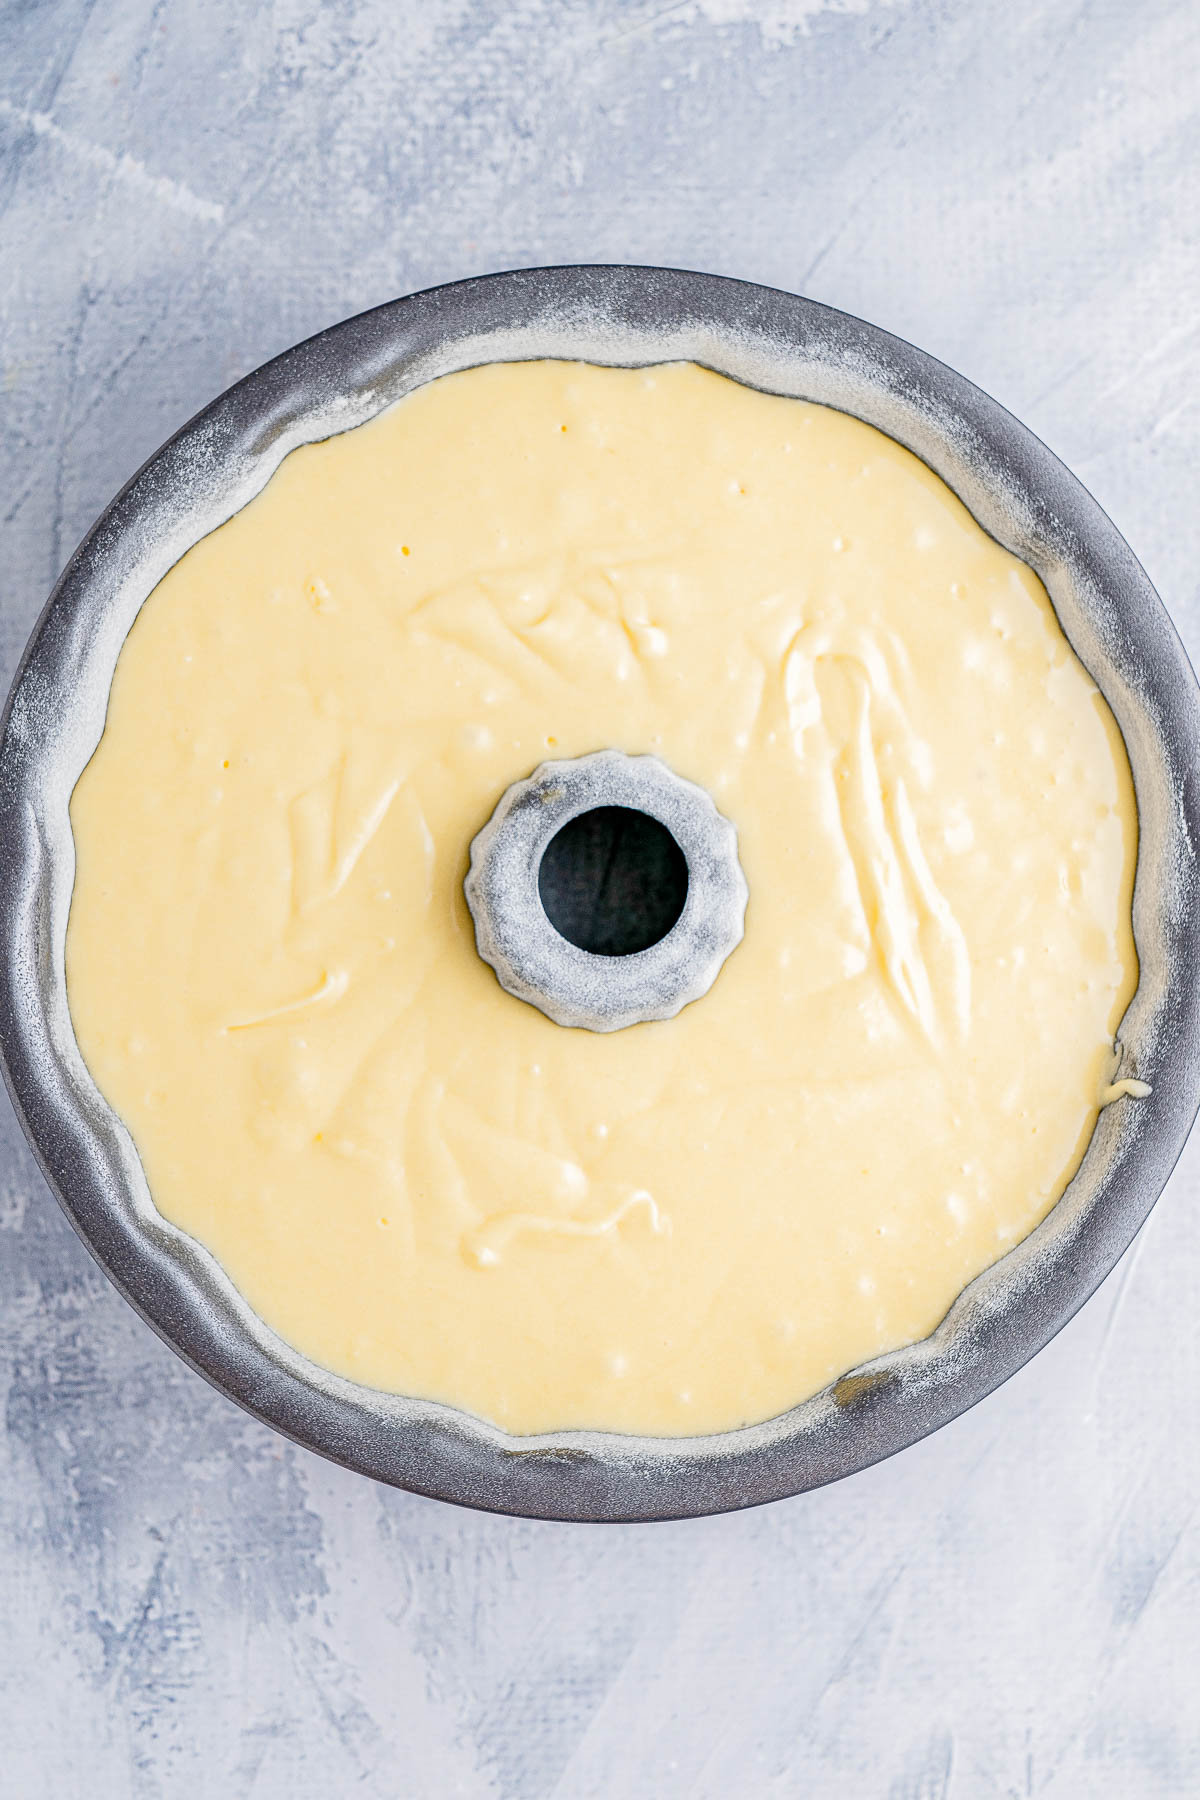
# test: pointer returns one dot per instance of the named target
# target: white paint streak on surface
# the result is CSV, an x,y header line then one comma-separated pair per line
x,y
779,21
124,168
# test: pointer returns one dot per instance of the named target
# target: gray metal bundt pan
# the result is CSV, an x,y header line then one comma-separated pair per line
x,y
1016,489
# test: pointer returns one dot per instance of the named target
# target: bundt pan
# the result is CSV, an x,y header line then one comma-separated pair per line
x,y
774,341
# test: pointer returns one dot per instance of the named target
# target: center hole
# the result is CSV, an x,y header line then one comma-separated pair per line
x,y
613,881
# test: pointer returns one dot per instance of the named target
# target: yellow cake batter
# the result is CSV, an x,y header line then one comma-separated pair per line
x,y
422,1182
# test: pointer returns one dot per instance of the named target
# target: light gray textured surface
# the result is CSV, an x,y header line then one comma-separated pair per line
x,y
189,1605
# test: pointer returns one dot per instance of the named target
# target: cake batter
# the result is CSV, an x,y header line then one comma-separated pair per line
x,y
423,1183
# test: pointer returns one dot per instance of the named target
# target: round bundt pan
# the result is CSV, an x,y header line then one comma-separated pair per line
x,y
1017,491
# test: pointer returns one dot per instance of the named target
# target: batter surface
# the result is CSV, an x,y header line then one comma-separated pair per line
x,y
425,1184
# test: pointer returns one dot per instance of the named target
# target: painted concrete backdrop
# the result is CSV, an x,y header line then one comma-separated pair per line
x,y
189,1606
